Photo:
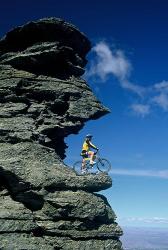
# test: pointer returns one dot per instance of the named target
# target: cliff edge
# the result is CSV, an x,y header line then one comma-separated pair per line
x,y
43,203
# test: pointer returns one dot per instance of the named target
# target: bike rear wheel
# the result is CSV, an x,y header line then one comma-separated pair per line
x,y
104,165
77,167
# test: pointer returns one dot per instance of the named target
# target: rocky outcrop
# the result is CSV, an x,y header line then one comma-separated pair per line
x,y
43,203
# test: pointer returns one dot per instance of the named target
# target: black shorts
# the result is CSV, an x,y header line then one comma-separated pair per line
x,y
84,154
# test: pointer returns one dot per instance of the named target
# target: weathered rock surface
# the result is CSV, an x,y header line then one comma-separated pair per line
x,y
43,203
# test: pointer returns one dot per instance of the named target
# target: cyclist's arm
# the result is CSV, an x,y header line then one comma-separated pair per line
x,y
92,145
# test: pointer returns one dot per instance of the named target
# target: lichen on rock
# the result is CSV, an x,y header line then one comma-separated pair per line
x,y
43,203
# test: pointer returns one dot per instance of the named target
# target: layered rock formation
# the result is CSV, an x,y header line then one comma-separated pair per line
x,y
43,203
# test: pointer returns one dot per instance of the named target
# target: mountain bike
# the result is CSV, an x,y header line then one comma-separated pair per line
x,y
102,164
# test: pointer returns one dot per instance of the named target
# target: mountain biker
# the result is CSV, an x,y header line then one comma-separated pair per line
x,y
87,153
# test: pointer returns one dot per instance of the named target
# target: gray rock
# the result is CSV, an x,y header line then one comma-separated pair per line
x,y
54,108
49,46
76,205
12,210
43,202
30,166
30,242
12,109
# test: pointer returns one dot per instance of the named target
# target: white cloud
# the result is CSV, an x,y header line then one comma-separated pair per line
x,y
157,220
146,173
161,100
161,86
107,62
133,87
141,109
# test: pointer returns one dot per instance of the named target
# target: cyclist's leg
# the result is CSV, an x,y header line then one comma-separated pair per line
x,y
84,156
83,164
91,156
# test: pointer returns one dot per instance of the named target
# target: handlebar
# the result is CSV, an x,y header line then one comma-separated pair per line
x,y
96,151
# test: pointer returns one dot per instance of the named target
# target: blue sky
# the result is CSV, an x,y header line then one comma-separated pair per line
x,y
127,70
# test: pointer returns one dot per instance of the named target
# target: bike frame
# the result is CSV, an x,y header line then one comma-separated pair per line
x,y
87,160
102,164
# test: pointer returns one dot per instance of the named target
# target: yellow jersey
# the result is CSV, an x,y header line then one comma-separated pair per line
x,y
87,145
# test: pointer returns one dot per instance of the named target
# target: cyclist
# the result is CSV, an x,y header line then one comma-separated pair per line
x,y
87,153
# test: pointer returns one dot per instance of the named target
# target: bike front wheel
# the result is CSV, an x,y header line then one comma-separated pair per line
x,y
77,167
104,165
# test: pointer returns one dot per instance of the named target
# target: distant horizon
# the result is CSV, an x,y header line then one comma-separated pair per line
x,y
145,238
